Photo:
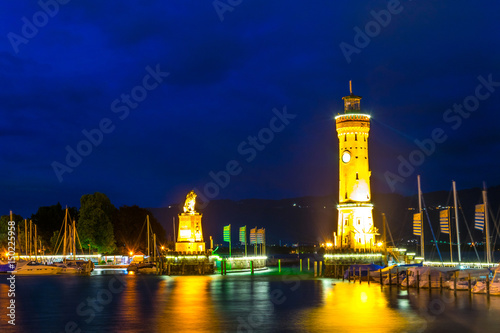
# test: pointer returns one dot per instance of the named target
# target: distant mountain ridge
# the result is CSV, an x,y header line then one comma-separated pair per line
x,y
313,219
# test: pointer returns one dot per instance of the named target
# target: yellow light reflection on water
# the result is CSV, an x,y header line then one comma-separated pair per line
x,y
193,309
352,308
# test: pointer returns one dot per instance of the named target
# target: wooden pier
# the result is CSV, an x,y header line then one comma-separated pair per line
x,y
337,262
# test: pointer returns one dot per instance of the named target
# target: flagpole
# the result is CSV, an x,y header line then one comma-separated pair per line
x,y
264,241
485,201
255,244
456,221
422,249
449,232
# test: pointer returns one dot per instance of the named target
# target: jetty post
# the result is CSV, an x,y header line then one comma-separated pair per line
x,y
455,275
488,284
470,284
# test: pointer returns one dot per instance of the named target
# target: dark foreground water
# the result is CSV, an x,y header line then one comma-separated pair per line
x,y
266,302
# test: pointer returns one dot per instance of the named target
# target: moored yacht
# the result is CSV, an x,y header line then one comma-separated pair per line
x,y
34,268
480,287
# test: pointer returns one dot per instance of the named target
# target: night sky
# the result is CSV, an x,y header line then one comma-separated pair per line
x,y
172,91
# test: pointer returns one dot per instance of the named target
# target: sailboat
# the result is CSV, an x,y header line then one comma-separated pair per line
x,y
68,240
418,224
464,275
146,267
481,288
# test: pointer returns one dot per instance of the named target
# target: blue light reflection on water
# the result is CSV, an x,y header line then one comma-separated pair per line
x,y
260,303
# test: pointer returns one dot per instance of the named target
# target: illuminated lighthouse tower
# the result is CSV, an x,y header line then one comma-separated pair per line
x,y
355,222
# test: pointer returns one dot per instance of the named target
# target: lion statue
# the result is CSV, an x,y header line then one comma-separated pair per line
x,y
190,202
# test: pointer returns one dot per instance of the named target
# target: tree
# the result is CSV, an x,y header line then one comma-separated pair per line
x,y
4,231
130,231
95,227
49,220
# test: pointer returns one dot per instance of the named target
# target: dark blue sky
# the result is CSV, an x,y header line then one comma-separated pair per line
x,y
88,64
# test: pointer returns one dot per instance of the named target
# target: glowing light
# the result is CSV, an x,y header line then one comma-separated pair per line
x,y
329,245
452,264
358,204
379,244
131,253
347,116
368,255
60,256
163,248
247,258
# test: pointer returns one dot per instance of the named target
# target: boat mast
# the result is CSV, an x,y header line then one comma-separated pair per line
x,y
456,221
36,243
147,217
74,240
31,237
485,201
65,230
26,236
384,221
422,249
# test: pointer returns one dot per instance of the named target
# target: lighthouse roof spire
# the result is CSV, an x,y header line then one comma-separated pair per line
x,y
351,102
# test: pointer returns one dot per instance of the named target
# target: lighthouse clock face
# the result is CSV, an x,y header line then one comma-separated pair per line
x,y
346,157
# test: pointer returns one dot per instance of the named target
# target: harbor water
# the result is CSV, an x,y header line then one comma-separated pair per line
x,y
264,302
